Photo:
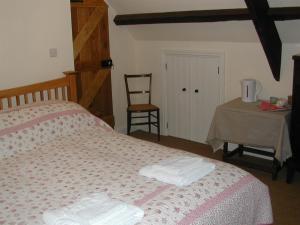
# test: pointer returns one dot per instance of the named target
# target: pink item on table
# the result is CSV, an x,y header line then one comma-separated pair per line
x,y
267,106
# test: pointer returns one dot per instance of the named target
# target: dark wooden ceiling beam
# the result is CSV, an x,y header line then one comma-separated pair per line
x,y
258,10
284,13
267,32
183,17
196,16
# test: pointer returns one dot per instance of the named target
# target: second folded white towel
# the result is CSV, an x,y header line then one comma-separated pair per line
x,y
180,171
97,209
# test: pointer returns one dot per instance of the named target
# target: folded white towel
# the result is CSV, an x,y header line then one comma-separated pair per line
x,y
97,209
184,177
178,165
131,216
103,212
61,217
87,202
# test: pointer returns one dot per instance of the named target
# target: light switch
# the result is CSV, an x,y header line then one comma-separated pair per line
x,y
53,52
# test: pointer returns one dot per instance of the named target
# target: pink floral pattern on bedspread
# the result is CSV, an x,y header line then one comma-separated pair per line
x,y
75,155
22,129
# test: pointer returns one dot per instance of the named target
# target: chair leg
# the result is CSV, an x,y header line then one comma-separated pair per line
x,y
149,121
158,125
128,122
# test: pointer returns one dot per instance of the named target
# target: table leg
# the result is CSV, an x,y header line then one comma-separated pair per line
x,y
225,151
290,170
241,150
275,169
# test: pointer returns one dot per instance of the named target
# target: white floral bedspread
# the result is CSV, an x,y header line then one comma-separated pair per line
x,y
52,154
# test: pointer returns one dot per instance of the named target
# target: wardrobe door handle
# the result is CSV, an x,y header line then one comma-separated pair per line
x,y
196,91
183,89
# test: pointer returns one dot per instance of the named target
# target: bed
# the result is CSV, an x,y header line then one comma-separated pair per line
x,y
53,152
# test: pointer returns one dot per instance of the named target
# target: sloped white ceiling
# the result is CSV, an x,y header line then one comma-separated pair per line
x,y
289,31
221,31
144,6
235,31
284,3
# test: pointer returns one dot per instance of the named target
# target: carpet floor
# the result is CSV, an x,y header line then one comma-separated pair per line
x,y
285,197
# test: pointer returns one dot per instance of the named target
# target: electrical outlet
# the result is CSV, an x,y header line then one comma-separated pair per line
x,y
53,52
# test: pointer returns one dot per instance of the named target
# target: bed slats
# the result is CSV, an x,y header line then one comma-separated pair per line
x,y
42,95
63,91
56,93
61,88
18,100
26,98
49,94
9,102
33,97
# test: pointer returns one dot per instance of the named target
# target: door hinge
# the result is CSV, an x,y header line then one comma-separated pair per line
x,y
218,70
166,66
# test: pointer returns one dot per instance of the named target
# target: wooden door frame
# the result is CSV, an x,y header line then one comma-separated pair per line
x,y
164,54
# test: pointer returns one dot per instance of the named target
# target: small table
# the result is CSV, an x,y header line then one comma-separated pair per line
x,y
245,124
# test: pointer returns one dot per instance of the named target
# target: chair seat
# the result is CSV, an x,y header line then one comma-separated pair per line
x,y
142,108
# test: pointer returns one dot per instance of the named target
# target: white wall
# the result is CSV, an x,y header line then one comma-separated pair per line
x,y
28,29
242,60
122,49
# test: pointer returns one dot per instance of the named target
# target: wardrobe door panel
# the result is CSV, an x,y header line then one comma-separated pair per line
x,y
178,97
193,92
205,95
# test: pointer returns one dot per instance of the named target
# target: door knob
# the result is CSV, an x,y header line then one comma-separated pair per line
x,y
196,91
183,89
107,63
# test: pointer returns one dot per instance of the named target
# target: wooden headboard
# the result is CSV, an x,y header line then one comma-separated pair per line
x,y
62,88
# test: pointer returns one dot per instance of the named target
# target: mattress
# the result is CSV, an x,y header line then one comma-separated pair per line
x,y
52,154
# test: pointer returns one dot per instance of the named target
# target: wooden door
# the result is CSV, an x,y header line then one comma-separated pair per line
x,y
91,46
193,83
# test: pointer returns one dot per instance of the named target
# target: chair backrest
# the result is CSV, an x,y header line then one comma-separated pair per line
x,y
135,92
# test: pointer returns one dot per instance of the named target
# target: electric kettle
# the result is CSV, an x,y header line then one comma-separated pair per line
x,y
250,90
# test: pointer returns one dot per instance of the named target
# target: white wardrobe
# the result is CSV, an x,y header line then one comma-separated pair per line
x,y
194,87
